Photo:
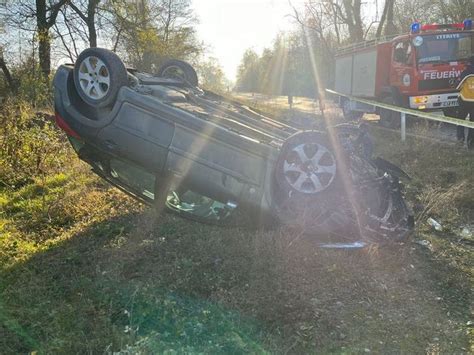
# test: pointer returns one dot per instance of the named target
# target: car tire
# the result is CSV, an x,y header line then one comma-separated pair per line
x,y
306,164
178,69
354,198
99,74
300,201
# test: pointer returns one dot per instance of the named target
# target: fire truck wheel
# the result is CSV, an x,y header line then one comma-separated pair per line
x,y
350,115
389,118
451,112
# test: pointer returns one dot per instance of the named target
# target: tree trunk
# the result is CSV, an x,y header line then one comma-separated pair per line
x,y
336,25
44,46
44,51
390,28
382,20
353,20
359,26
7,74
91,10
89,19
43,24
92,33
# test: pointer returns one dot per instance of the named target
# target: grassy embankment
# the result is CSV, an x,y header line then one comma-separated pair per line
x,y
86,269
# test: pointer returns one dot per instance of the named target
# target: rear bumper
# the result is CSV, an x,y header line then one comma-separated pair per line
x,y
433,102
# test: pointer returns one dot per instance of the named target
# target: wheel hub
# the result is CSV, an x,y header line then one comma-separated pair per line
x,y
94,78
309,168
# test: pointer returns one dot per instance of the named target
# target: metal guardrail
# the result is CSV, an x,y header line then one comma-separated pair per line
x,y
406,111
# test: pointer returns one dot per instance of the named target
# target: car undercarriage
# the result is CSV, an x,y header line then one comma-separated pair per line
x,y
168,143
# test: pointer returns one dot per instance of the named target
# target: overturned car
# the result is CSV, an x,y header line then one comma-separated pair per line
x,y
168,143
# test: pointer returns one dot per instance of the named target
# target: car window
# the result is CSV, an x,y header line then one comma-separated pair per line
x,y
402,52
134,176
198,206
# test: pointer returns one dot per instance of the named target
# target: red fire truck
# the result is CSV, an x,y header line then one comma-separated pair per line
x,y
418,70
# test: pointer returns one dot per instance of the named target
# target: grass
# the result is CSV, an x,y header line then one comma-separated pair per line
x,y
85,269
68,283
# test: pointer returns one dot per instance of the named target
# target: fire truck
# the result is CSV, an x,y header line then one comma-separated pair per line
x,y
418,70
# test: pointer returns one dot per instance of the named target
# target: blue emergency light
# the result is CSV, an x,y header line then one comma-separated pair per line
x,y
415,27
467,24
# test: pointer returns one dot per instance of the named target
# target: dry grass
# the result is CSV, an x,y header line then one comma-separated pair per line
x,y
440,201
96,272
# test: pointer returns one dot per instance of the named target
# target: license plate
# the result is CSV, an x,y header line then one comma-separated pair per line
x,y
449,104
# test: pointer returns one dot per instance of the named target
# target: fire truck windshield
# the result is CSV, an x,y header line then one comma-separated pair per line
x,y
443,47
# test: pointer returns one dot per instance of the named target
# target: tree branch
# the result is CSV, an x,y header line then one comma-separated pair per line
x,y
54,12
78,11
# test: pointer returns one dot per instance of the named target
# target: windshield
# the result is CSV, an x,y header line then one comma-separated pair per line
x,y
444,47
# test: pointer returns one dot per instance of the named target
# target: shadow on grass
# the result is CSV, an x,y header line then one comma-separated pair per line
x,y
99,292
137,284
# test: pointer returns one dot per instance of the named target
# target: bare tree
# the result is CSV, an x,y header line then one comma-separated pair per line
x,y
335,13
390,28
353,19
320,17
454,10
387,17
37,16
6,73
378,34
429,11
46,14
67,36
153,30
87,11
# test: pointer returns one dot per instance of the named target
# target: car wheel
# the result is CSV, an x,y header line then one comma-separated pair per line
x,y
98,76
351,202
349,114
306,164
178,69
389,118
307,176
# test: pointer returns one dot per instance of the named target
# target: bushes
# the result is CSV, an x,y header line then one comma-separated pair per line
x,y
30,144
28,84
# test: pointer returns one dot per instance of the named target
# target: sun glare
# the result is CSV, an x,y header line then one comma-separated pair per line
x,y
232,26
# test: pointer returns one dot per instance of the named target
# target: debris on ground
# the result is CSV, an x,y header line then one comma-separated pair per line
x,y
424,243
435,224
466,233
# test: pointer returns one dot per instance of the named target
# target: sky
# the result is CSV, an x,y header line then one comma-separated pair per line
x,y
229,27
